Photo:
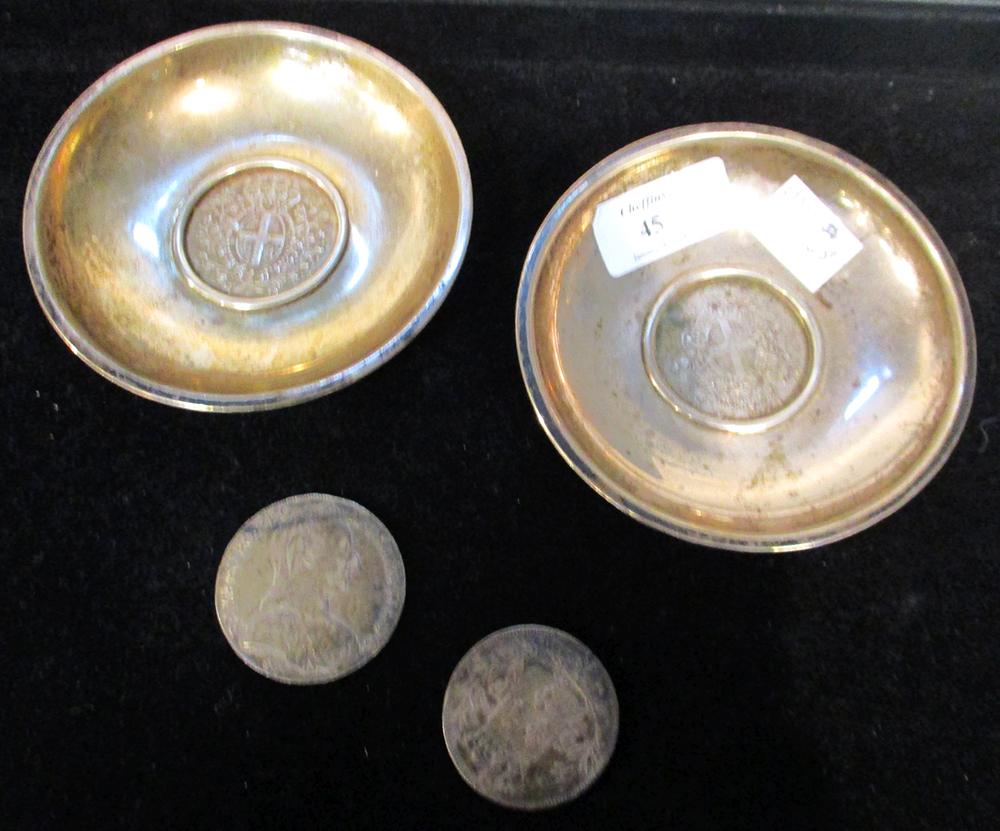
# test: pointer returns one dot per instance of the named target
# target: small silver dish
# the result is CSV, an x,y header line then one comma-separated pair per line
x,y
745,337
247,216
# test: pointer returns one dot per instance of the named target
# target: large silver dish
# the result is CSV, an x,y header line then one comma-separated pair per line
x,y
247,216
713,394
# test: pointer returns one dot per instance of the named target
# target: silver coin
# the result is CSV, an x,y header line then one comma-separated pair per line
x,y
530,717
310,589
261,233
731,347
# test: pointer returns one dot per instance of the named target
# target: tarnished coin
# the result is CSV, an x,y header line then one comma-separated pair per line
x,y
731,350
309,589
530,717
261,233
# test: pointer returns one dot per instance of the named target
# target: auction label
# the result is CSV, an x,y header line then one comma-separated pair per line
x,y
803,234
663,216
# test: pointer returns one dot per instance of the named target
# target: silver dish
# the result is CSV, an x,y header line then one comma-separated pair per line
x,y
712,393
247,216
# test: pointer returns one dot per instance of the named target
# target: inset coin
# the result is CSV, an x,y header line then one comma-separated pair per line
x,y
261,233
310,589
731,350
530,717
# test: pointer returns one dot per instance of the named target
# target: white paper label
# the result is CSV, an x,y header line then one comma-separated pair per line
x,y
803,234
663,216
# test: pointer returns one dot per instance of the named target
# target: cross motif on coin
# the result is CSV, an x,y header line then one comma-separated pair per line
x,y
261,237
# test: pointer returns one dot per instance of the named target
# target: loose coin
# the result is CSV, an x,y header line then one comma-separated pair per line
x,y
530,717
310,589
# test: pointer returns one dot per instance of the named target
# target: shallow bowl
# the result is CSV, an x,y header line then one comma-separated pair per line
x,y
247,216
785,357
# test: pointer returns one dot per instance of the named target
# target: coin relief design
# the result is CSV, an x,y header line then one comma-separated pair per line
x,y
310,589
530,717
731,348
262,232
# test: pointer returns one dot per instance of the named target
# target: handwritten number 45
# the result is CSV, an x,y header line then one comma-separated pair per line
x,y
652,226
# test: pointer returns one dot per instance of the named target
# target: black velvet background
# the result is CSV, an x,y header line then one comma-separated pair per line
x,y
850,687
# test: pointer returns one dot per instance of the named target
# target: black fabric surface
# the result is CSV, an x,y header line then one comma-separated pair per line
x,y
854,686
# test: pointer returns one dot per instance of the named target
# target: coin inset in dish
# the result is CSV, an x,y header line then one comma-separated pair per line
x,y
530,717
731,350
261,234
310,589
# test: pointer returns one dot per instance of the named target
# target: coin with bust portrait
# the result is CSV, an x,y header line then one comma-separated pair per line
x,y
310,589
530,717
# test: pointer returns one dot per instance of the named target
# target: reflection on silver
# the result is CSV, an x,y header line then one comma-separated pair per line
x,y
145,237
865,393
207,99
